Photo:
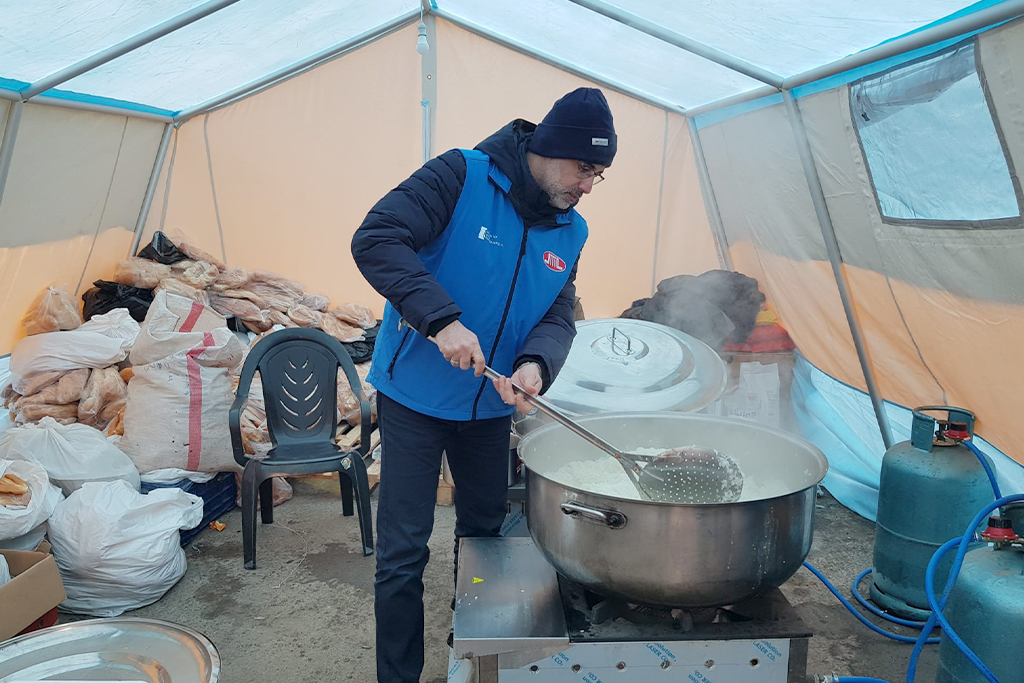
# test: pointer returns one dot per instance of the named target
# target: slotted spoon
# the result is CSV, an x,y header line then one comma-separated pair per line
x,y
679,475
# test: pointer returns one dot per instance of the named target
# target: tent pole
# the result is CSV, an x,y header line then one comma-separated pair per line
x,y
7,144
996,14
154,178
828,232
558,63
976,21
287,72
682,42
124,47
710,201
428,86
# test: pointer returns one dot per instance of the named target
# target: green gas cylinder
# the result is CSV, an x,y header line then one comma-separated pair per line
x,y
986,609
931,487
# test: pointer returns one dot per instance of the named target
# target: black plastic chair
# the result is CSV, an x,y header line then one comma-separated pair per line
x,y
299,372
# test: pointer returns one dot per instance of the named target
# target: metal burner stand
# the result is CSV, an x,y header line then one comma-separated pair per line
x,y
517,621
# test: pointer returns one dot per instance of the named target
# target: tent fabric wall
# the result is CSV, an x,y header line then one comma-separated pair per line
x,y
98,164
840,420
940,308
481,86
296,167
73,195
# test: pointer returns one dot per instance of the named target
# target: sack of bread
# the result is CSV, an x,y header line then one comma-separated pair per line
x,y
27,501
71,455
54,309
14,491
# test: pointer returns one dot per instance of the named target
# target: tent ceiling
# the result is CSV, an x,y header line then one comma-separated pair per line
x,y
606,48
788,37
40,38
253,38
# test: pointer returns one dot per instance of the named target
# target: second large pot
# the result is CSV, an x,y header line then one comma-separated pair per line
x,y
666,554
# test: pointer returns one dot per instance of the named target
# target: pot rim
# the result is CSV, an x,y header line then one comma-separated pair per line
x,y
815,452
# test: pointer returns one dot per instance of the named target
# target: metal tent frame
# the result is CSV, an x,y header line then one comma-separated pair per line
x,y
774,85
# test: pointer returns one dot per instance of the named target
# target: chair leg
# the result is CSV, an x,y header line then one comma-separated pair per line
x,y
346,496
267,500
356,474
250,482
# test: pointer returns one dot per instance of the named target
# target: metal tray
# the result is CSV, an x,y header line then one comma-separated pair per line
x,y
117,649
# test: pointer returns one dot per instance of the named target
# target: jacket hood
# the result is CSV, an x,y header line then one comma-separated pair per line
x,y
507,149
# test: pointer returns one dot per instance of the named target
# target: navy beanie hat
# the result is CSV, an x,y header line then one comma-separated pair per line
x,y
579,126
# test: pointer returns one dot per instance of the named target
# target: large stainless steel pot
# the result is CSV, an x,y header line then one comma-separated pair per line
x,y
667,554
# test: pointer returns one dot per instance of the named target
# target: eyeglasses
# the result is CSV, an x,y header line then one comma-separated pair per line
x,y
586,172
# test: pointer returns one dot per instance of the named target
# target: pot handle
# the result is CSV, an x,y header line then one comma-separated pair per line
x,y
613,519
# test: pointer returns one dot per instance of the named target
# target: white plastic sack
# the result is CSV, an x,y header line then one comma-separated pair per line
x,y
757,396
19,520
118,549
70,454
5,571
28,542
172,475
180,394
103,341
175,323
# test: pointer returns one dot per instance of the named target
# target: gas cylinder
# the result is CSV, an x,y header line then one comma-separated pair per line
x,y
931,487
986,609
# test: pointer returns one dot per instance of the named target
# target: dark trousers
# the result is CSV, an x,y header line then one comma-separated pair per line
x,y
412,444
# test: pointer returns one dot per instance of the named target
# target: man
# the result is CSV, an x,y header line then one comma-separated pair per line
x,y
476,254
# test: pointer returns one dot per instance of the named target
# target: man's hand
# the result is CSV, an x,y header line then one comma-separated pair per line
x,y
461,348
528,377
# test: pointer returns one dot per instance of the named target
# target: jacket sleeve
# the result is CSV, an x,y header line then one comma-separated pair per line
x,y
408,218
549,342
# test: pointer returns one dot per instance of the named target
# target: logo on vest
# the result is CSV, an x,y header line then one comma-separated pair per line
x,y
489,237
553,262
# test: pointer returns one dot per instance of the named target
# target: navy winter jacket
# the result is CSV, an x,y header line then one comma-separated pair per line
x,y
470,235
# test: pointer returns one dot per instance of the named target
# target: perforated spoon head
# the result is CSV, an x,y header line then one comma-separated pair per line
x,y
692,476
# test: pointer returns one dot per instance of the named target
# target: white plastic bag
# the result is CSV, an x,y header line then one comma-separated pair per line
x,y
118,549
180,394
103,341
70,454
173,475
19,520
757,396
5,571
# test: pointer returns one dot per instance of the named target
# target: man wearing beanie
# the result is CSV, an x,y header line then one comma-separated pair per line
x,y
476,254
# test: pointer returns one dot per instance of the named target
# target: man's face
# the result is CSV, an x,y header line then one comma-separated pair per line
x,y
566,180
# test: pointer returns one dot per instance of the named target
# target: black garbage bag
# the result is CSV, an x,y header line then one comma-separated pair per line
x,y
717,307
106,296
362,351
162,250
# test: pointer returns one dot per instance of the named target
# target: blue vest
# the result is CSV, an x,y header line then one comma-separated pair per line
x,y
503,277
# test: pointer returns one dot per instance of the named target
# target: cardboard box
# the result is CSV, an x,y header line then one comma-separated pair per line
x,y
34,590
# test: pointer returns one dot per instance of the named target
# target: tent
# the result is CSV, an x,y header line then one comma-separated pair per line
x,y
858,159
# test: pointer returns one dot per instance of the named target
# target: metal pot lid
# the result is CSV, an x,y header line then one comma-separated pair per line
x,y
117,649
618,365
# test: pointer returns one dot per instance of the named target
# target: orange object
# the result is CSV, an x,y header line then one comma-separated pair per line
x,y
218,526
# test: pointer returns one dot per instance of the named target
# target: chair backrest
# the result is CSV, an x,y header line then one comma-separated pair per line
x,y
299,371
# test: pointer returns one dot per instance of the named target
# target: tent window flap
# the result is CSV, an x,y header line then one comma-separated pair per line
x,y
932,145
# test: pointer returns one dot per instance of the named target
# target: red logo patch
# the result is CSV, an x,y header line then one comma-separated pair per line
x,y
553,262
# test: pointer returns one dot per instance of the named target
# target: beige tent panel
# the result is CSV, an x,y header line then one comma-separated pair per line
x,y
5,107
297,167
482,86
27,270
931,336
686,243
96,164
1002,54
